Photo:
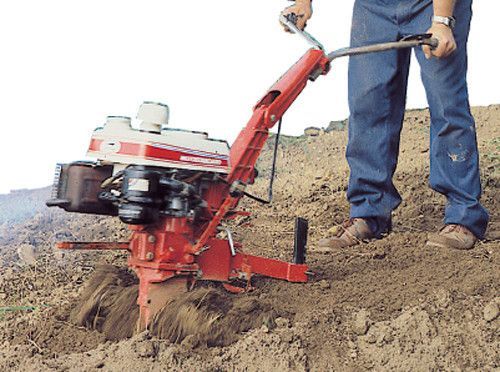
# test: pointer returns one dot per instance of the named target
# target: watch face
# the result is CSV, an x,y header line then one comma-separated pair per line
x,y
448,21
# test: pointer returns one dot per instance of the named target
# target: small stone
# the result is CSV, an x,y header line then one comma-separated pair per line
x,y
143,336
58,254
333,230
190,342
312,131
269,321
371,338
379,254
146,350
26,253
388,337
443,298
323,284
361,323
282,322
380,339
491,311
468,315
287,336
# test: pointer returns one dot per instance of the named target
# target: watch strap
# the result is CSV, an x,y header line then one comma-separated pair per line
x,y
448,21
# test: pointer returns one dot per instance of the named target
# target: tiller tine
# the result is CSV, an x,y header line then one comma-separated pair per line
x,y
155,296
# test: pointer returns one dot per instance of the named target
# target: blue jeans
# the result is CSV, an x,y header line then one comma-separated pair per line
x,y
377,97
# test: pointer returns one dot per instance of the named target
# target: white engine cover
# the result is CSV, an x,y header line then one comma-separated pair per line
x,y
117,142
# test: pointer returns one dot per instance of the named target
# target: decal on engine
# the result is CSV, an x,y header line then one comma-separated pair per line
x,y
200,160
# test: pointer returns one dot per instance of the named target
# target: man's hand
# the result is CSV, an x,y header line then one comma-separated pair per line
x,y
447,44
303,10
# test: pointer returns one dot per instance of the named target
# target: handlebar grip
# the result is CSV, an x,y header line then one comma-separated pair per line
x,y
432,42
292,18
423,39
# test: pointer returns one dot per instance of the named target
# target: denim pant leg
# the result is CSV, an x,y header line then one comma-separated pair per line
x,y
454,159
377,95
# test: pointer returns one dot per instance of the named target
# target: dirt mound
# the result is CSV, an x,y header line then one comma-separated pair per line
x,y
420,337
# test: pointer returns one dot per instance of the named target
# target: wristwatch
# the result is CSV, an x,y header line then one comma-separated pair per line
x,y
448,21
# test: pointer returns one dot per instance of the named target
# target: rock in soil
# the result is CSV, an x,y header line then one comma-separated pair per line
x,y
361,323
491,311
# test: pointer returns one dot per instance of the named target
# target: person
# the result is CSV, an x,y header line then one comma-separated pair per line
x,y
377,98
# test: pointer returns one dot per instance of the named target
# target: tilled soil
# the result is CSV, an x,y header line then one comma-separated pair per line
x,y
390,304
207,315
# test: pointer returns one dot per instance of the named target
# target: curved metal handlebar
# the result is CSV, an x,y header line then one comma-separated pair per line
x,y
407,42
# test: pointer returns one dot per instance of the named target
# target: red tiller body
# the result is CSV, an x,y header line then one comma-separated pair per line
x,y
176,252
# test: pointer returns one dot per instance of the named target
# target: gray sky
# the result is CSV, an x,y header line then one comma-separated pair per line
x,y
66,65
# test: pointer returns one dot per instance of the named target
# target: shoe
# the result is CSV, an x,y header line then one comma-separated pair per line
x,y
351,233
452,236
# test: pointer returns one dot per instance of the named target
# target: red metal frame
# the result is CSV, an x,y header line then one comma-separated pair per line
x,y
173,254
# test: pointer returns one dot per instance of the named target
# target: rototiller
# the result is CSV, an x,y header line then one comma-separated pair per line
x,y
175,187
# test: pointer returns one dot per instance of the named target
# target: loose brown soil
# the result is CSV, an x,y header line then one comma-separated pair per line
x,y
108,303
206,315
391,304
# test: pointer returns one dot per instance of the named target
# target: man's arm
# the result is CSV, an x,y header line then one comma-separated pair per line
x,y
303,10
442,32
444,8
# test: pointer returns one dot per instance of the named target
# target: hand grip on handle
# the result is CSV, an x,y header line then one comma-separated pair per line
x,y
432,42
292,18
289,21
424,39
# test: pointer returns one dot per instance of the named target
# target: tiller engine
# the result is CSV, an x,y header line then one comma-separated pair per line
x,y
174,188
